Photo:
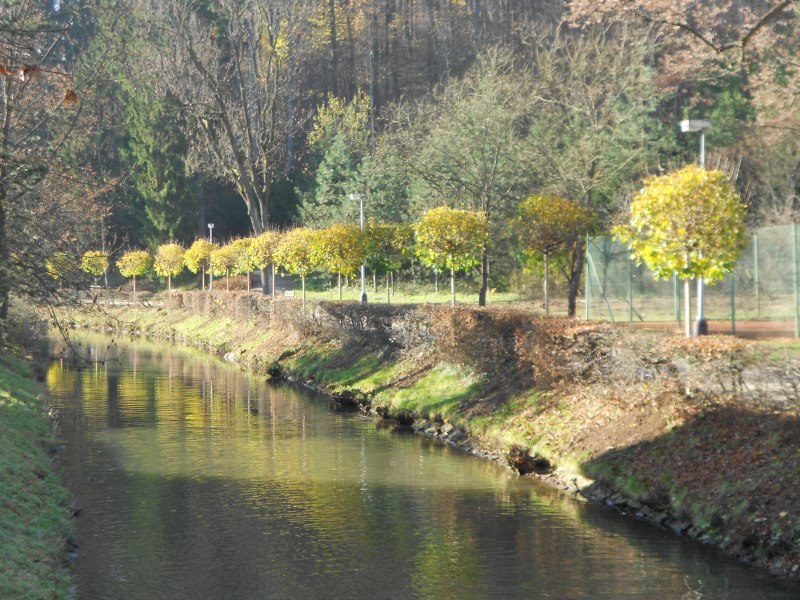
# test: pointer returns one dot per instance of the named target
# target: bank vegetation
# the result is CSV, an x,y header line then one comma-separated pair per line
x,y
697,435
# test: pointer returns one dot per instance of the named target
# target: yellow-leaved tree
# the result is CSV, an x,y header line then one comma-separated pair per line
x,y
386,245
135,264
169,261
299,252
223,261
342,250
450,238
197,258
263,251
94,262
689,223
550,224
243,254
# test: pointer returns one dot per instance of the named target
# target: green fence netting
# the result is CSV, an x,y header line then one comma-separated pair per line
x,y
763,286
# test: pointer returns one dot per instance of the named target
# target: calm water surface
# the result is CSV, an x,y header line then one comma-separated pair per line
x,y
198,481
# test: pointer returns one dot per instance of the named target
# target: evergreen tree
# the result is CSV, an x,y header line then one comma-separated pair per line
x,y
337,177
155,150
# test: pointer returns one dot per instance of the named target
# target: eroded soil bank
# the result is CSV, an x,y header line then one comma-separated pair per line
x,y
700,436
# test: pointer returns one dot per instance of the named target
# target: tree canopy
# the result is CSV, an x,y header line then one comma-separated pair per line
x,y
689,223
135,264
450,238
298,252
141,121
169,261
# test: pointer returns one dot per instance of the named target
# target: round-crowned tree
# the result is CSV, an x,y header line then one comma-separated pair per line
x,y
223,261
94,262
342,250
135,264
548,225
689,223
263,252
453,239
197,258
386,246
298,252
169,261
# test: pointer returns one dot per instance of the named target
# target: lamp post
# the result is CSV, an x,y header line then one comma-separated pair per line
x,y
360,198
691,126
210,241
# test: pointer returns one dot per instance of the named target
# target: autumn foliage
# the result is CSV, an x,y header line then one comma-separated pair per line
x,y
453,239
690,223
169,262
135,264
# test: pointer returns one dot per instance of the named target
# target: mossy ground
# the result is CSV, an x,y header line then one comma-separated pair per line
x,y
34,518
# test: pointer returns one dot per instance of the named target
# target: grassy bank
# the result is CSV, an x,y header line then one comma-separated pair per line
x,y
700,436
34,519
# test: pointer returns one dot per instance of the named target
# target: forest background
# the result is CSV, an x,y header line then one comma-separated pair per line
x,y
129,123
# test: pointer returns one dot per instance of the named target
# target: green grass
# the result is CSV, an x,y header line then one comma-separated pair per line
x,y
34,519
507,423
334,366
408,294
436,394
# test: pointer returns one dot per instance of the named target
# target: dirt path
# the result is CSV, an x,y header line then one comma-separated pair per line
x,y
744,329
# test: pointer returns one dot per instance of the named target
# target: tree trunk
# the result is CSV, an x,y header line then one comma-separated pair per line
x,y
546,279
388,290
169,283
202,279
303,280
484,277
436,281
134,288
264,280
452,286
248,280
5,288
374,84
339,284
351,50
5,133
334,47
687,305
578,258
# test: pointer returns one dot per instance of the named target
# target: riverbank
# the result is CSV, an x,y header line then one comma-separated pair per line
x,y
699,436
34,518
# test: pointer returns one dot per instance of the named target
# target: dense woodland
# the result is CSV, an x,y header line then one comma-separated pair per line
x,y
129,123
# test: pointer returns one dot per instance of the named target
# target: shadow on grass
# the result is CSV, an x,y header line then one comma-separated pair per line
x,y
727,470
340,367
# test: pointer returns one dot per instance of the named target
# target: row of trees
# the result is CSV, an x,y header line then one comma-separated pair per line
x,y
689,223
444,239
137,121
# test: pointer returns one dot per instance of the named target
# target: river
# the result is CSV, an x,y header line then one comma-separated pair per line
x,y
194,480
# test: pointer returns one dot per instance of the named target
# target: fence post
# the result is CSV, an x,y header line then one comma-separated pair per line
x,y
630,290
733,303
586,284
794,280
755,275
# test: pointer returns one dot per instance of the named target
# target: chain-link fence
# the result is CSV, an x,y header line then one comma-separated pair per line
x,y
763,287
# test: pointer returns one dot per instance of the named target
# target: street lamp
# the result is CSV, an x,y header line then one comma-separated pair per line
x,y
210,241
360,198
692,126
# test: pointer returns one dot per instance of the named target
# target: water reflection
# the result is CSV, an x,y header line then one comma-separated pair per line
x,y
197,481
